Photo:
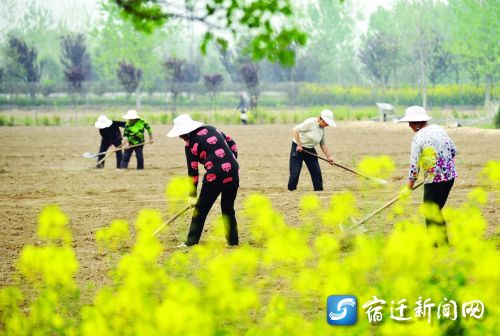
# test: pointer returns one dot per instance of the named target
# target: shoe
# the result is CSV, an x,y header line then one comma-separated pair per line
x,y
183,245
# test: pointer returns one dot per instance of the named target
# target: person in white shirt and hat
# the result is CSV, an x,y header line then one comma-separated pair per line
x,y
306,136
134,138
110,136
433,151
217,152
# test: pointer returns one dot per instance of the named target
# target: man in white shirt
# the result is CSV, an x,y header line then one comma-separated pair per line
x,y
306,136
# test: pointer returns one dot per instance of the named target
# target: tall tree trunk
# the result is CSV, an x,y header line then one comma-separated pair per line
x,y
423,84
487,91
138,98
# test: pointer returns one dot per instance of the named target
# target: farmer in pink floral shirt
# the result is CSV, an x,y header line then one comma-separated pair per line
x,y
217,152
433,151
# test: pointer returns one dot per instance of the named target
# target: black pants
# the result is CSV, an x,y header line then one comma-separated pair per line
x,y
208,196
138,154
105,144
296,166
437,193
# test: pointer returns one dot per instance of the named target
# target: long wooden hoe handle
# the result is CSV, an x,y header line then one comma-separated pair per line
x,y
386,205
381,181
108,153
174,217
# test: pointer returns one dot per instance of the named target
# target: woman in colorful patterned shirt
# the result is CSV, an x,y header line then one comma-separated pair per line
x,y
433,151
134,135
217,152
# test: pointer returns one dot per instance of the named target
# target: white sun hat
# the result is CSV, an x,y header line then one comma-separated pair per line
x,y
102,122
131,114
183,124
415,114
327,116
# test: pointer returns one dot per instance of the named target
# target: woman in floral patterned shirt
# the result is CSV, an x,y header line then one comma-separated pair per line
x,y
217,152
433,151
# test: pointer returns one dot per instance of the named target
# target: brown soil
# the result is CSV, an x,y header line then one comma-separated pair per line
x,y
44,165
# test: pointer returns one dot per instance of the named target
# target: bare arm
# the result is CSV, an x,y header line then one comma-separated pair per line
x,y
297,140
329,156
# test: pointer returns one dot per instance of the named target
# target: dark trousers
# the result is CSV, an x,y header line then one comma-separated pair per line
x,y
208,196
138,154
296,166
437,193
105,144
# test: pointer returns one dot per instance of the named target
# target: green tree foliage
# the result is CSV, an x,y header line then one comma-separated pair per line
x,y
330,26
39,28
497,119
213,84
250,75
75,59
476,32
180,72
114,39
23,63
257,17
129,76
441,60
379,56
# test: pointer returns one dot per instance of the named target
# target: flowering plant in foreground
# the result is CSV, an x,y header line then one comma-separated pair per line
x,y
275,285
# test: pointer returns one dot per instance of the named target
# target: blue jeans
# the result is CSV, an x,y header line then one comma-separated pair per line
x,y
138,154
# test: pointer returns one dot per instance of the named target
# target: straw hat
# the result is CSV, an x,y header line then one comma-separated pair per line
x,y
183,124
102,122
327,116
131,114
415,114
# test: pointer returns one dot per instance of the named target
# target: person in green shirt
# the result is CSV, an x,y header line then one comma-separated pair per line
x,y
134,138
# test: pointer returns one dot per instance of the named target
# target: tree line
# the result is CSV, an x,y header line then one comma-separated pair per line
x,y
417,43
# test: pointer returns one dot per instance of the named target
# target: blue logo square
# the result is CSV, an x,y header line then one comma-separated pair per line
x,y
341,310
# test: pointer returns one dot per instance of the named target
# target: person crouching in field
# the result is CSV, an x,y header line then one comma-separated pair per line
x,y
433,151
110,135
306,136
217,152
134,138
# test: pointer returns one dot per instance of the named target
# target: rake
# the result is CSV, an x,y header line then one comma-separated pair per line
x,y
386,205
108,153
174,217
373,179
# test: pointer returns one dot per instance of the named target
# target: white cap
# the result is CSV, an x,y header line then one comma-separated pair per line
x,y
415,114
131,114
102,122
183,124
327,116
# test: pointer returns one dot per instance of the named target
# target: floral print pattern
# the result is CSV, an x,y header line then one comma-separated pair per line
x,y
433,151
210,147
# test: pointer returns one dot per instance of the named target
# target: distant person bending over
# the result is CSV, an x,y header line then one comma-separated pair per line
x,y
110,136
306,136
134,135
433,151
217,152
